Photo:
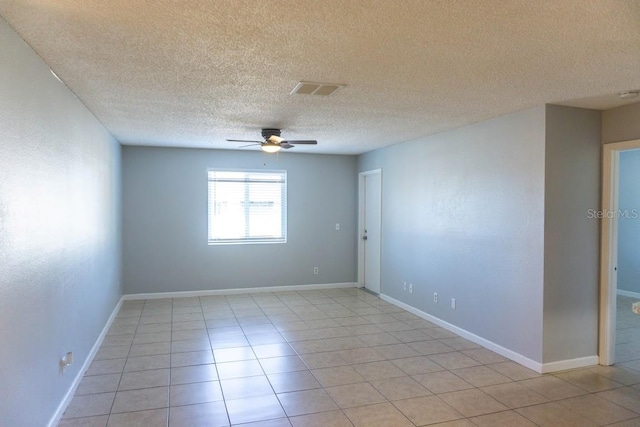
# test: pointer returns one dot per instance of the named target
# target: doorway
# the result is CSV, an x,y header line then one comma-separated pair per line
x,y
370,229
610,216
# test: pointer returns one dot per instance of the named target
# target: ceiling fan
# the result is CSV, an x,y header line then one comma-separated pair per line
x,y
273,142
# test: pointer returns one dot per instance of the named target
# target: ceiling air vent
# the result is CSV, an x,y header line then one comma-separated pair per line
x,y
309,88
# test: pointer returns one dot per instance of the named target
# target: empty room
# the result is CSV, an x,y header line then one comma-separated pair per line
x,y
339,213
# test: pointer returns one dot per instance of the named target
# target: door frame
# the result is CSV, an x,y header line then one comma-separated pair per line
x,y
361,208
609,247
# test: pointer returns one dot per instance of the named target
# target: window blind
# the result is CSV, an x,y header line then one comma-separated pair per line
x,y
247,206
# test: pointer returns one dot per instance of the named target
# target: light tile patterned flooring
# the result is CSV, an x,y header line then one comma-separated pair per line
x,y
338,357
627,334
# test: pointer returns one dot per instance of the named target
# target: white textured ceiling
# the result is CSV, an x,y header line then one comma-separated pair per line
x,y
192,73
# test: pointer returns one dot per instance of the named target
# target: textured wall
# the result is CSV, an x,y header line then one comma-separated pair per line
x,y
621,124
571,242
629,224
463,216
59,233
165,222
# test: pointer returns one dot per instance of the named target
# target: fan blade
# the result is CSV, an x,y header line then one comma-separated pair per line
x,y
310,142
244,140
286,145
250,145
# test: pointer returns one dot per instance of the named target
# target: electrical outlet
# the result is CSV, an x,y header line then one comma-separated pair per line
x,y
453,303
315,270
65,361
337,226
435,297
410,288
405,286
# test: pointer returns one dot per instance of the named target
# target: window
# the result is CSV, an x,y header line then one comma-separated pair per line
x,y
247,206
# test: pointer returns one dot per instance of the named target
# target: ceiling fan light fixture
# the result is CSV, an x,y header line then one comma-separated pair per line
x,y
271,147
273,142
275,139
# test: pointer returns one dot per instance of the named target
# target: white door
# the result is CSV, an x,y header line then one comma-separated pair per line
x,y
370,229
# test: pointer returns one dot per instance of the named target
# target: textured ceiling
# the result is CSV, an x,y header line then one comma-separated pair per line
x,y
191,73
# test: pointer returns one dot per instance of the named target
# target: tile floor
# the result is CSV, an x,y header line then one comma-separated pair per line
x,y
338,357
627,334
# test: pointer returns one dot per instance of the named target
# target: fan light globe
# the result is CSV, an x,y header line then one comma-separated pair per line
x,y
271,148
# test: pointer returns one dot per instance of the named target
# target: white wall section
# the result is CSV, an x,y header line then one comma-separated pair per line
x,y
59,233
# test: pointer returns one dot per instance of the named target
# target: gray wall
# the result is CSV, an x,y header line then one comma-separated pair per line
x,y
571,245
463,216
629,225
621,124
165,222
59,233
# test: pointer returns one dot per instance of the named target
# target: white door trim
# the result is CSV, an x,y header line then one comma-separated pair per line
x,y
361,201
609,247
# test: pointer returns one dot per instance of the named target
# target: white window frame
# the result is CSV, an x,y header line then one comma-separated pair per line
x,y
247,240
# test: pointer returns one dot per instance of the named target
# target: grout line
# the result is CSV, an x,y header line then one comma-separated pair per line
x,y
292,300
125,361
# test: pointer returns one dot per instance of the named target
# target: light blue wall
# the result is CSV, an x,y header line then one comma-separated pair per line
x,y
463,215
59,233
571,242
629,224
165,222
495,215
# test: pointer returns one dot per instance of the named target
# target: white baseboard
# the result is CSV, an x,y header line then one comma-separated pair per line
x,y
563,365
516,357
628,293
213,292
510,354
57,416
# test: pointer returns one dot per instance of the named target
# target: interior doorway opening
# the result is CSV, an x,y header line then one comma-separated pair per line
x,y
611,215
